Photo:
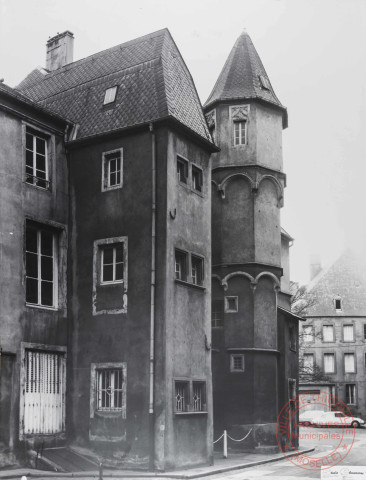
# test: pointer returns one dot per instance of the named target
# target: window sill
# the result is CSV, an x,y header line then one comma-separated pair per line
x,y
114,187
104,284
42,307
39,188
188,284
180,414
197,192
108,414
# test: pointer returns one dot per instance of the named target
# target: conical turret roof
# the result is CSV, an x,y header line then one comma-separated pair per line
x,y
244,77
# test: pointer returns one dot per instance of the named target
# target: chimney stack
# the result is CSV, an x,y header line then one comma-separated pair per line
x,y
60,50
315,265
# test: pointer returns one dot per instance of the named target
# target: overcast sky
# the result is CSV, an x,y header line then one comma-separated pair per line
x,y
314,52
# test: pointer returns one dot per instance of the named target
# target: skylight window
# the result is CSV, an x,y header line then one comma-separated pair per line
x,y
264,82
110,95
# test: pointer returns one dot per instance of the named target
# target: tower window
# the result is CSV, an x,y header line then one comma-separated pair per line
x,y
264,82
240,132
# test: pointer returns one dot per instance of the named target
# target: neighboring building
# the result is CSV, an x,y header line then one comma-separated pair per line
x,y
333,339
106,226
254,334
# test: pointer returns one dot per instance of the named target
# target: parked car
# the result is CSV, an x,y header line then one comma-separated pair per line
x,y
307,418
337,419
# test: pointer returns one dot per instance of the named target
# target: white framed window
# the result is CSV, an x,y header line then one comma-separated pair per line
x,y
237,362
328,333
217,313
181,259
182,170
308,333
240,132
108,388
197,178
329,363
350,394
308,362
112,174
231,304
110,95
112,263
197,270
36,158
349,363
41,266
348,333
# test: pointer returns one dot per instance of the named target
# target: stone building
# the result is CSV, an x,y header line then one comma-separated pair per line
x,y
106,226
254,334
333,338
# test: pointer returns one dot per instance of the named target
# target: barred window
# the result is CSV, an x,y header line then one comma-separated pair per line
x,y
198,396
109,389
181,396
237,363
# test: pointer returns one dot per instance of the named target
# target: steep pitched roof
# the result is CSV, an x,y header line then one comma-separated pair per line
x,y
346,278
153,83
240,77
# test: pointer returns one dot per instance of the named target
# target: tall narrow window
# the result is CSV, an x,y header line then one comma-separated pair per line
x,y
36,161
350,394
181,265
41,266
197,179
240,132
181,396
112,170
182,170
308,334
328,333
329,364
197,270
293,338
349,363
348,333
338,304
217,313
109,390
308,363
112,263
198,396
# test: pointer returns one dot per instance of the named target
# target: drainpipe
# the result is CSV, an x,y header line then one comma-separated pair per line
x,y
152,300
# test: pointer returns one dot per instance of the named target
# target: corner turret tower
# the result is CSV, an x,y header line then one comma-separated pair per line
x,y
246,120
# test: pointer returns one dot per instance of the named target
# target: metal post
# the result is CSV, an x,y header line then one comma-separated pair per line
x,y
100,471
225,444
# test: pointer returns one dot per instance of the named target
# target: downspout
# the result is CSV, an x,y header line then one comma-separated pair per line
x,y
152,299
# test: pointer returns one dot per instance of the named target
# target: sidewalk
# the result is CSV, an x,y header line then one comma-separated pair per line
x,y
235,461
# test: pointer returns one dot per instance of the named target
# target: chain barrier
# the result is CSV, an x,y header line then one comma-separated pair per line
x,y
226,436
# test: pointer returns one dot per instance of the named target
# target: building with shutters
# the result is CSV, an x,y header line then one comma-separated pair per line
x,y
333,338
106,220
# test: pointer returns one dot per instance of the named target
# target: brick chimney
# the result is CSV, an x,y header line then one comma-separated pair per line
x,y
60,50
315,265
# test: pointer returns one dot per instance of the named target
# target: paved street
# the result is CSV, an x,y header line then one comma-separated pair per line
x,y
285,470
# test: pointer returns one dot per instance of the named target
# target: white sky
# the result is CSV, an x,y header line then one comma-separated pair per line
x,y
314,52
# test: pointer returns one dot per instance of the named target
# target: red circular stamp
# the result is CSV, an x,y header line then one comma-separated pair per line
x,y
291,438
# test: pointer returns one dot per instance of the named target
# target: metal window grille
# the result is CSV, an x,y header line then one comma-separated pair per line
x,y
329,364
217,313
181,396
198,396
43,405
237,363
112,263
114,169
240,132
109,389
110,95
328,333
182,170
197,270
36,168
350,394
180,265
349,363
197,179
40,266
348,333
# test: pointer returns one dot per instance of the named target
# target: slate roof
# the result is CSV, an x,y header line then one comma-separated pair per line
x,y
239,78
345,277
153,83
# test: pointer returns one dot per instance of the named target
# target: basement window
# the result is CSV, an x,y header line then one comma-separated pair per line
x,y
110,95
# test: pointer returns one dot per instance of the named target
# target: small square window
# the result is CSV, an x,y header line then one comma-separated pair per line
x,y
181,265
112,170
181,396
198,396
217,313
36,159
237,363
197,270
112,263
231,304
110,95
240,132
197,179
182,170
